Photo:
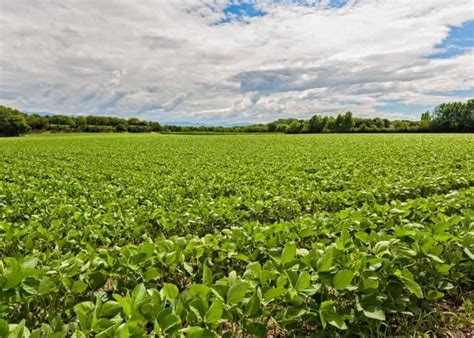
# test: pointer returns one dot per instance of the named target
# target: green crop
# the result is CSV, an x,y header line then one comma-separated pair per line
x,y
181,235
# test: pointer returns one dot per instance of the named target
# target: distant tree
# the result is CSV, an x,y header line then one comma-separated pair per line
x,y
347,122
468,118
344,123
81,121
330,125
294,127
139,129
37,122
338,124
425,122
133,121
317,124
121,127
379,123
12,122
155,126
272,127
281,127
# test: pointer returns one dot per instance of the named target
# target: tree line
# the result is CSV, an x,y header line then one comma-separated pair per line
x,y
14,123
447,117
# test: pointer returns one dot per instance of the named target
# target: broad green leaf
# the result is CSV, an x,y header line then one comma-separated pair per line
x,y
167,320
14,279
237,293
374,312
440,227
207,276
288,253
3,328
304,281
273,293
198,332
138,296
342,279
434,295
214,314
151,274
325,263
47,285
253,306
170,291
79,286
199,290
407,278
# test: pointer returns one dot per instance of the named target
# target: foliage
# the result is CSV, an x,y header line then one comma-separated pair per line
x,y
12,122
178,235
448,117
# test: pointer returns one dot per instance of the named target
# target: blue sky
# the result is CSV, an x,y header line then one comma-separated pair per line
x,y
233,62
459,40
238,11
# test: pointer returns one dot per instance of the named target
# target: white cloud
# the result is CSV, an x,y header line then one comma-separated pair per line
x,y
173,61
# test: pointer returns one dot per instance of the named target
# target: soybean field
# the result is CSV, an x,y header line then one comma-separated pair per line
x,y
236,235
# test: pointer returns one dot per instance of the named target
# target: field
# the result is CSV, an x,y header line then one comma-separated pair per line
x,y
202,235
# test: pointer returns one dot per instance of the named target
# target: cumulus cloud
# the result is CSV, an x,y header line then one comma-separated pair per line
x,y
197,60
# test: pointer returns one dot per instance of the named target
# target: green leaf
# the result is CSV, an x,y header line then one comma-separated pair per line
x,y
325,262
46,286
198,332
110,309
79,286
237,293
273,293
469,253
253,306
138,296
337,320
215,312
374,313
304,281
3,328
440,227
170,291
14,279
407,278
18,330
363,237
328,314
199,290
342,279
414,287
435,258
207,276
288,253
151,274
434,295
167,320
381,248
124,302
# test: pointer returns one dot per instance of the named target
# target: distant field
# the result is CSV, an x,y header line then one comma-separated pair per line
x,y
239,234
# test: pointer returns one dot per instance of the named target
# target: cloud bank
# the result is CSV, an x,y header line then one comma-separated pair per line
x,y
228,62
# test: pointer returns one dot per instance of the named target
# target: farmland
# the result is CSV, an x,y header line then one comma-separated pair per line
x,y
133,235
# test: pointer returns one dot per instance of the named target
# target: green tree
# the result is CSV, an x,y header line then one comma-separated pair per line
x,y
316,124
347,122
272,127
12,122
155,126
294,127
425,122
121,127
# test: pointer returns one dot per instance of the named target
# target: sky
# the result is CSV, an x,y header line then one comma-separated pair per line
x,y
226,62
